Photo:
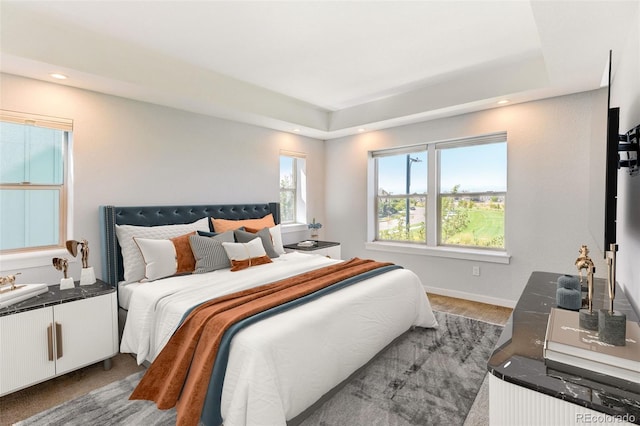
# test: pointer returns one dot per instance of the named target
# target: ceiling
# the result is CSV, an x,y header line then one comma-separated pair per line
x,y
324,69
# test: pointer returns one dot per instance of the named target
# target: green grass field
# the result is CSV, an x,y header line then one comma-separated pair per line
x,y
485,228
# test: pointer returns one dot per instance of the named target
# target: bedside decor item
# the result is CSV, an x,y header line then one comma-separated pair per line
x,y
315,227
588,318
11,293
62,264
612,324
569,347
568,294
87,274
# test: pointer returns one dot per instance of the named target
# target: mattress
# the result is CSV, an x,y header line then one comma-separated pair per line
x,y
280,366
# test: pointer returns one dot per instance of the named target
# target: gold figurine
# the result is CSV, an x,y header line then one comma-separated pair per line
x,y
61,264
9,280
72,248
584,262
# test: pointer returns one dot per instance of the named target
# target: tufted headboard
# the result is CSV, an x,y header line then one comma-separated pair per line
x,y
110,216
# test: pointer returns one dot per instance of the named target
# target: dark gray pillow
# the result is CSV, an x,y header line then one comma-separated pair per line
x,y
209,253
264,234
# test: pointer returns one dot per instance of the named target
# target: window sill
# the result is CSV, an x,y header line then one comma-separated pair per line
x,y
293,227
33,259
448,252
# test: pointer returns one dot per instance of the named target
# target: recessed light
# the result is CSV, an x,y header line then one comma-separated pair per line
x,y
58,76
503,101
296,130
361,130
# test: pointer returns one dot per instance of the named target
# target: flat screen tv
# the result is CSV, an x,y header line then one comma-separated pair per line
x,y
611,176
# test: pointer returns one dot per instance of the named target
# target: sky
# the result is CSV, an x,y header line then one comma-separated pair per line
x,y
477,168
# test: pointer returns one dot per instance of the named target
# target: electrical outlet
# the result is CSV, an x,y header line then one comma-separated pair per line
x,y
476,271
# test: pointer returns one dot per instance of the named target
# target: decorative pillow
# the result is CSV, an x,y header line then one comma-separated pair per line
x,y
134,265
164,258
209,253
263,234
207,234
222,225
276,237
244,255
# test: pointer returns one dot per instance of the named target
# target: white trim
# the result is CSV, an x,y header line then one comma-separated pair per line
x,y
478,255
293,227
471,296
32,259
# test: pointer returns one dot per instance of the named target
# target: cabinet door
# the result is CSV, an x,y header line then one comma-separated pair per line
x,y
86,332
25,348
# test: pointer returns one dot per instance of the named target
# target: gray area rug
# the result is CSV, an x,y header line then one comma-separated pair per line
x,y
427,377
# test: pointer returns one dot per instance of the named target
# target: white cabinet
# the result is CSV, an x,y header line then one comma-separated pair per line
x,y
39,344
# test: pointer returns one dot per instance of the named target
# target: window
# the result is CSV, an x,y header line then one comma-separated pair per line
x,y
33,181
449,193
402,196
473,188
293,188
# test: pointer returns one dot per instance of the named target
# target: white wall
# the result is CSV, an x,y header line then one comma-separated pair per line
x,y
547,201
625,93
133,153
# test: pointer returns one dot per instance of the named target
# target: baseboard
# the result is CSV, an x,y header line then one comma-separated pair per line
x,y
472,296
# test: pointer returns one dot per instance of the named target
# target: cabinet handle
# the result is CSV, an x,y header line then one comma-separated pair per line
x,y
58,340
50,341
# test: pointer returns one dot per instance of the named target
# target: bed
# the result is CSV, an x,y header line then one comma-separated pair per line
x,y
281,366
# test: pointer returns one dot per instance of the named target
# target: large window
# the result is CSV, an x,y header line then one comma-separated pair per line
x,y
33,183
449,193
293,188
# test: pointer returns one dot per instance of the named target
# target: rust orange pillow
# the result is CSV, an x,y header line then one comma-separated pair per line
x,y
223,225
184,254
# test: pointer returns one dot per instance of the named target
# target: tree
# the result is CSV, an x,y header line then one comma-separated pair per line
x,y
455,217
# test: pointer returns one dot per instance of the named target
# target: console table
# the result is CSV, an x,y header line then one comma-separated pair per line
x,y
57,332
523,390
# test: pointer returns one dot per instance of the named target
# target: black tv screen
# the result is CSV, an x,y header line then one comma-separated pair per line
x,y
611,178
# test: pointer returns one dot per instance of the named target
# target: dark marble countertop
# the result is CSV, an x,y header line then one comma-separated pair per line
x,y
518,356
319,245
55,296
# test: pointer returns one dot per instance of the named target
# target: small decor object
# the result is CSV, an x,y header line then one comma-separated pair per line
x,y
612,325
62,264
315,227
570,348
568,294
11,293
588,318
10,282
87,274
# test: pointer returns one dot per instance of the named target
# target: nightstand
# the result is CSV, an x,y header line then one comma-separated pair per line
x,y
56,332
324,248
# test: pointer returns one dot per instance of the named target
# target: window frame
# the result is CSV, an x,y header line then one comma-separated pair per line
x,y
299,188
432,245
40,255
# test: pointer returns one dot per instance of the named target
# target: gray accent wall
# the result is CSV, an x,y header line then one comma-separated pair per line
x,y
128,152
548,198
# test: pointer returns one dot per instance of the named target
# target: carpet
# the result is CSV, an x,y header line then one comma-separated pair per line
x,y
427,377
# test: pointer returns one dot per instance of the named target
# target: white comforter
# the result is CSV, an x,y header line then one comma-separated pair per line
x,y
280,366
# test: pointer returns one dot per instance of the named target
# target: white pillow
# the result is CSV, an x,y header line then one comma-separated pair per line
x,y
276,237
134,267
244,255
160,258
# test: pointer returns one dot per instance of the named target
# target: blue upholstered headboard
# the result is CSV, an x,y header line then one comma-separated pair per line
x,y
110,216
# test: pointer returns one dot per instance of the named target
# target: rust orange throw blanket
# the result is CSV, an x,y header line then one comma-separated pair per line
x,y
180,374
